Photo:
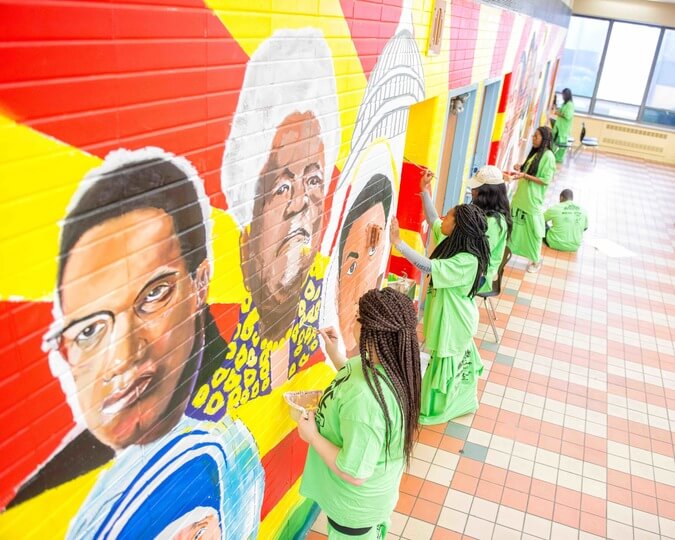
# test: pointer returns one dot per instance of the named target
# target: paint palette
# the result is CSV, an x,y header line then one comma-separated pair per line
x,y
301,402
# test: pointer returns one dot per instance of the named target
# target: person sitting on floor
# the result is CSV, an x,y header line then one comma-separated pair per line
x,y
568,223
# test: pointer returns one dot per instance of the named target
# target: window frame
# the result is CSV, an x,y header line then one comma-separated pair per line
x,y
650,77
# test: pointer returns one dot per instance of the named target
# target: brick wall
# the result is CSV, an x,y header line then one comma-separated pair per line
x,y
181,183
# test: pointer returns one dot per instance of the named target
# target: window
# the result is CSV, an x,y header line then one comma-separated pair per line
x,y
660,105
620,70
626,70
581,59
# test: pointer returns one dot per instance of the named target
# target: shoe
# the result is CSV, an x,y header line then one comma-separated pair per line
x,y
534,267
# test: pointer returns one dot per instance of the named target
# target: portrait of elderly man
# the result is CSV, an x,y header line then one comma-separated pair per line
x,y
133,338
276,170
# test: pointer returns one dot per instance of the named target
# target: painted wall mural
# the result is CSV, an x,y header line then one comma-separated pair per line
x,y
190,193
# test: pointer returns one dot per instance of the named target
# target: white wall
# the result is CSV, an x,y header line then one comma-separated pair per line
x,y
660,13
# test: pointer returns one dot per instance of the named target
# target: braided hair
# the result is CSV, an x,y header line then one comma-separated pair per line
x,y
468,236
546,144
388,334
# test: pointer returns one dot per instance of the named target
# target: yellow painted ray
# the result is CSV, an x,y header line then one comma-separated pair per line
x,y
39,176
48,515
436,67
256,414
252,26
274,521
488,23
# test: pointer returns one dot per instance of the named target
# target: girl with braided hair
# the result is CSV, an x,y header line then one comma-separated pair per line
x,y
362,434
456,266
526,207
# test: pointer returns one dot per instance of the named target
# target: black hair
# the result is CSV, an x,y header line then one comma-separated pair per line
x,y
152,183
376,191
388,329
546,144
494,201
567,95
468,236
567,195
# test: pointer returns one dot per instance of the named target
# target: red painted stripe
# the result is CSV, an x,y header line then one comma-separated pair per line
x,y
283,466
150,88
371,25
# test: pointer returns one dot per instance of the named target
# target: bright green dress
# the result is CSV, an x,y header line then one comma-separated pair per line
x,y
450,383
496,232
526,210
350,417
562,128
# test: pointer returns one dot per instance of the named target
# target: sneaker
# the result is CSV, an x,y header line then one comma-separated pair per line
x,y
534,267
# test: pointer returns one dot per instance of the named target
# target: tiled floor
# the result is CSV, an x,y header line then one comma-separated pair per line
x,y
574,435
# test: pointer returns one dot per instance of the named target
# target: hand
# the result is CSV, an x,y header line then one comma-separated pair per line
x,y
307,427
330,339
507,176
394,231
425,180
516,167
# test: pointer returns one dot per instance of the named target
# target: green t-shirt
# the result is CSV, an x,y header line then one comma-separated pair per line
x,y
568,223
529,195
350,417
563,123
496,233
450,316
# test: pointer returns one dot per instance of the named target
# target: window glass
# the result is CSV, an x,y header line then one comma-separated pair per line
x,y
626,68
662,90
581,58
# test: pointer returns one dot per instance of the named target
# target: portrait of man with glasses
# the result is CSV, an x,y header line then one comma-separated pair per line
x,y
132,335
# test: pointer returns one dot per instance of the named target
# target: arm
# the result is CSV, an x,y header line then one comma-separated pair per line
x,y
566,111
548,215
546,169
419,261
429,209
327,451
425,190
330,340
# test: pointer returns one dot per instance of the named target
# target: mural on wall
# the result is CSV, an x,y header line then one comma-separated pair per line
x,y
370,181
276,170
183,214
132,335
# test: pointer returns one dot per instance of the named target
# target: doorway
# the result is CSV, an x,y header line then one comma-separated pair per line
x,y
486,124
455,146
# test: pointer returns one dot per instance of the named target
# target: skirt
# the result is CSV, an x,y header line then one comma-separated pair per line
x,y
450,386
527,234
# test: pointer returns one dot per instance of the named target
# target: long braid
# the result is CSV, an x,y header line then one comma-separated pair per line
x,y
546,144
468,236
388,334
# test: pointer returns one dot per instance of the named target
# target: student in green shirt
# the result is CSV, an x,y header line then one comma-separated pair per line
x,y
462,254
563,125
488,192
362,435
568,223
526,207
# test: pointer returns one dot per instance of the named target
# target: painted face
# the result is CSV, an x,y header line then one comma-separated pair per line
x,y
129,308
206,529
536,139
359,269
474,193
286,232
448,224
